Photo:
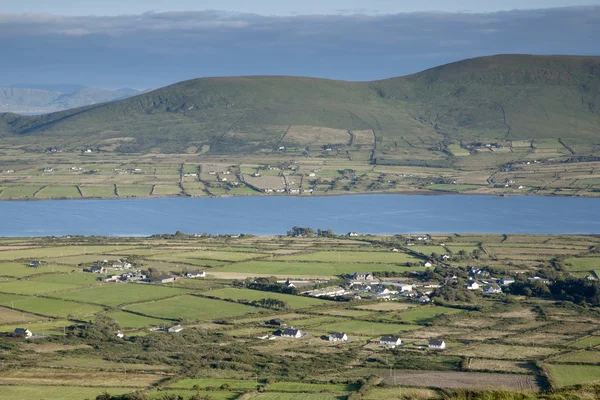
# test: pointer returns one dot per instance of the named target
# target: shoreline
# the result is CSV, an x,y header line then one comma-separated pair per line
x,y
401,193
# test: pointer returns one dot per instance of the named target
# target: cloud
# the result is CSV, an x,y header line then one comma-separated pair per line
x,y
155,48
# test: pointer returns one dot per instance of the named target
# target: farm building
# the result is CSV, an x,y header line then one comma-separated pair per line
x,y
424,299
473,286
122,264
437,344
22,332
195,274
352,234
363,276
96,269
119,334
338,337
390,341
291,333
506,281
494,289
35,263
161,279
175,329
427,264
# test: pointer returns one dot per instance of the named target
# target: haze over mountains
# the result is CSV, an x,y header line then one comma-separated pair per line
x,y
43,98
501,97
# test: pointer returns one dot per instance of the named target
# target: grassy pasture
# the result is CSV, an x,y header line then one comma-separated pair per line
x,y
134,190
425,314
19,192
443,187
50,376
209,255
98,190
53,327
20,270
166,190
8,316
186,394
366,328
57,251
584,357
192,308
58,192
203,383
583,263
400,393
588,341
129,320
120,293
33,287
73,279
352,257
502,351
569,375
295,302
48,392
299,387
300,396
50,307
310,269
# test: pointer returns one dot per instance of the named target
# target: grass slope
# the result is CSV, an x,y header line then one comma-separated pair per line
x,y
487,98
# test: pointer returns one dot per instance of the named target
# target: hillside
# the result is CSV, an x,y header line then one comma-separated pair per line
x,y
506,97
34,98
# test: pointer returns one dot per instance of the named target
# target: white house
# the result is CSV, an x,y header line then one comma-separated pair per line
x,y
390,341
338,337
195,274
437,344
291,333
427,264
352,234
506,281
175,329
394,250
424,299
494,289
473,286
363,276
119,334
23,332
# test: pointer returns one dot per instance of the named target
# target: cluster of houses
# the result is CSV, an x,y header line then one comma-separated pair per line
x,y
134,275
391,342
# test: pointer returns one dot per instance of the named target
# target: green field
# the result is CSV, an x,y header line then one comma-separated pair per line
x,y
120,293
301,396
588,341
451,188
134,190
584,357
366,328
295,302
426,314
20,270
203,383
583,263
33,287
311,269
58,392
166,190
186,394
58,192
129,320
49,307
209,255
192,308
568,375
57,251
97,190
19,192
299,387
353,257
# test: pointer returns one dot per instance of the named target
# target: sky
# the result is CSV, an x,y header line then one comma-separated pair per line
x,y
151,43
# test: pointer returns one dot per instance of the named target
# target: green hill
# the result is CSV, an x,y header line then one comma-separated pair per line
x,y
506,97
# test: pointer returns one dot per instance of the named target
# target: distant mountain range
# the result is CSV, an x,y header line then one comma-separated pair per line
x,y
488,99
43,98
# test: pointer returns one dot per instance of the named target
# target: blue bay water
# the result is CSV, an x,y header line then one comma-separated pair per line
x,y
262,215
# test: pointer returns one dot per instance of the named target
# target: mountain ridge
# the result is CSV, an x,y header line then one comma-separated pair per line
x,y
520,97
